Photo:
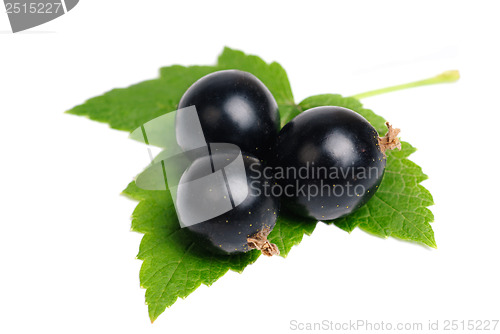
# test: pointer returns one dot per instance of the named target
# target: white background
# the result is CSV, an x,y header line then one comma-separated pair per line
x,y
67,254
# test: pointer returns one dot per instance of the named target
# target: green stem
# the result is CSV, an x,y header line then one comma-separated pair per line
x,y
445,77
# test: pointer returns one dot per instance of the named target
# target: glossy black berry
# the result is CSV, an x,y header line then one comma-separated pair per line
x,y
328,162
253,210
233,107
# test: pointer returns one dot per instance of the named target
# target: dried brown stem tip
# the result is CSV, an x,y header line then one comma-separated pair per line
x,y
390,141
259,241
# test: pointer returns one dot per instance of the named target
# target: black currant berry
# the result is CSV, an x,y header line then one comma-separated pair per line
x,y
252,211
233,107
329,161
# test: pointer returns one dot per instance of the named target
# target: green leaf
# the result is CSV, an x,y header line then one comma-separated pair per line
x,y
288,112
289,232
399,207
129,108
174,265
